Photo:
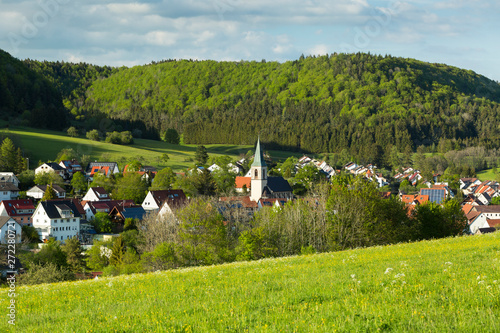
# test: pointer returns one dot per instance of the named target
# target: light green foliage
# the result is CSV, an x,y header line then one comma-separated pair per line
x,y
100,180
79,182
49,194
102,222
130,186
134,166
163,180
72,132
48,273
66,154
203,235
11,158
93,135
308,176
97,258
415,287
45,178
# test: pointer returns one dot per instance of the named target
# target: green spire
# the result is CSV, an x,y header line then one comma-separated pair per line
x,y
258,160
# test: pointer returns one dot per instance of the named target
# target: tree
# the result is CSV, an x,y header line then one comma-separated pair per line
x,y
49,194
29,234
93,135
117,251
102,223
165,157
98,256
172,136
126,138
79,182
66,154
49,273
130,186
8,156
45,178
72,132
73,250
203,182
100,180
201,155
51,252
134,166
163,180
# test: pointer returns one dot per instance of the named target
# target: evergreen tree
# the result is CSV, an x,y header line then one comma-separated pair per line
x,y
201,155
49,194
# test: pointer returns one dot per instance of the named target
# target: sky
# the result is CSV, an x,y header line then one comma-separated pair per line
x,y
462,33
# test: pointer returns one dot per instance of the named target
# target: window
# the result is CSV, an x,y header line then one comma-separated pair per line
x,y
256,173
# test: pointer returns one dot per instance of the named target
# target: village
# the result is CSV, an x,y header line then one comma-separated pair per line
x,y
63,217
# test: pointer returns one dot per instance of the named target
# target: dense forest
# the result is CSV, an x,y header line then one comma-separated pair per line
x,y
365,104
27,97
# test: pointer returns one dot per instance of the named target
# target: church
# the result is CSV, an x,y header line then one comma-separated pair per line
x,y
264,187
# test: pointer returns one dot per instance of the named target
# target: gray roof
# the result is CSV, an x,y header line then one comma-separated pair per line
x,y
50,208
278,184
258,160
8,187
5,219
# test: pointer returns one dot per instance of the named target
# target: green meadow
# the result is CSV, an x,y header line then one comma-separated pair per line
x,y
442,285
44,145
487,174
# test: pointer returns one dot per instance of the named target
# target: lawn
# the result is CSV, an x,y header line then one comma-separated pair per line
x,y
44,145
487,174
432,286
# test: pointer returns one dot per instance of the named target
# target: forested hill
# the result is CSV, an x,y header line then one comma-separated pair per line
x,y
364,103
318,104
27,98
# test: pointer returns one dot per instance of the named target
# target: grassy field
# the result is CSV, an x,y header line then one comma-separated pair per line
x,y
43,145
487,174
433,286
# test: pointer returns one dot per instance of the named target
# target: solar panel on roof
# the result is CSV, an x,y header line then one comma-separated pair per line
x,y
436,196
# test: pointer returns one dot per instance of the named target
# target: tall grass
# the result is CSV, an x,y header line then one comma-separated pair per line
x,y
432,286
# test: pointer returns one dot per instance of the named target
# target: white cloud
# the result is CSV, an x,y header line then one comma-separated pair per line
x,y
320,49
161,38
129,8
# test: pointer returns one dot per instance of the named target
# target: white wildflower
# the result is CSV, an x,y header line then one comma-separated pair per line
x,y
448,263
388,270
353,276
397,276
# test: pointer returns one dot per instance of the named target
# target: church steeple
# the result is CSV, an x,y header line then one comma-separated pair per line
x,y
258,174
258,160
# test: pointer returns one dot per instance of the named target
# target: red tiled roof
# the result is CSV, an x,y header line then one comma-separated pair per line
x,y
245,201
12,206
467,208
240,181
493,223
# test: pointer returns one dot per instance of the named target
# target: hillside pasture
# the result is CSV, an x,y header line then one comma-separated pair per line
x,y
44,145
432,286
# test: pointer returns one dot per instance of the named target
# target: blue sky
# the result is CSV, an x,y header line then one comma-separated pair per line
x,y
455,32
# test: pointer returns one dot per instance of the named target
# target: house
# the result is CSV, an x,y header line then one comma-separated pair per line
x,y
57,218
9,177
412,200
164,201
106,168
96,194
242,184
37,191
482,216
436,195
272,202
51,167
9,230
71,167
8,191
20,210
93,207
119,214
235,208
263,186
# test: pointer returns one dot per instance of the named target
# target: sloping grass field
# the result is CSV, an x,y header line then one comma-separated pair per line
x,y
44,145
433,286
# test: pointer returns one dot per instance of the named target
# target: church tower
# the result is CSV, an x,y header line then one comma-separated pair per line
x,y
259,174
